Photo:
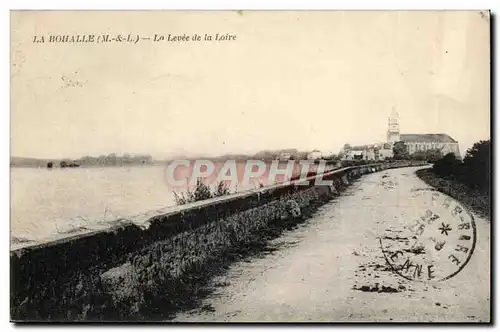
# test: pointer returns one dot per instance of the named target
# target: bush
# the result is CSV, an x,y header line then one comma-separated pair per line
x,y
357,162
433,155
474,171
222,190
477,166
430,156
201,192
400,151
448,166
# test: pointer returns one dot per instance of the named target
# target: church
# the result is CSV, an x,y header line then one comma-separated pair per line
x,y
414,143
421,142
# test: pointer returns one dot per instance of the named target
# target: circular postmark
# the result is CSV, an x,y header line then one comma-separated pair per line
x,y
434,246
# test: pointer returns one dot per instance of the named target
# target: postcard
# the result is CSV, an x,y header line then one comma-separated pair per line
x,y
250,166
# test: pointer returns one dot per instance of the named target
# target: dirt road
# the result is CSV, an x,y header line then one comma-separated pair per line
x,y
333,268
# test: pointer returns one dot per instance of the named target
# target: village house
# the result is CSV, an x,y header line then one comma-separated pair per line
x,y
314,155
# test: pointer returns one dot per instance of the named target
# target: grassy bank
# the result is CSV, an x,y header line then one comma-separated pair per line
x,y
477,201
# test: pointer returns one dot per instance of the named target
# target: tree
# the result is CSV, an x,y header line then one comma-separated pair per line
x,y
400,151
358,157
332,157
430,156
449,165
301,155
419,155
111,159
433,155
477,164
87,160
101,160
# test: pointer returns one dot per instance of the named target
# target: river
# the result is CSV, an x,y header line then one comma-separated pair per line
x,y
46,204
49,204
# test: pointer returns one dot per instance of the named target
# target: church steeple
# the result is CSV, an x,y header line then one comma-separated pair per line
x,y
393,127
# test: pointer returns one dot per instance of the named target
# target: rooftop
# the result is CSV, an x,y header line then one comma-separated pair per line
x,y
427,138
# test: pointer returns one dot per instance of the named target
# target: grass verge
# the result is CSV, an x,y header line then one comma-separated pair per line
x,y
473,199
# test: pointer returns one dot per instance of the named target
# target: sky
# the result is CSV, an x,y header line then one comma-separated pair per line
x,y
305,80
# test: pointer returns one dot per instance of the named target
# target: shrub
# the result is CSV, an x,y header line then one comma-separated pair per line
x,y
477,166
474,171
433,155
400,151
201,192
222,190
430,156
448,166
347,163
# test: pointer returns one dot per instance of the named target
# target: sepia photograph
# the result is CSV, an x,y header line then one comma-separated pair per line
x,y
250,166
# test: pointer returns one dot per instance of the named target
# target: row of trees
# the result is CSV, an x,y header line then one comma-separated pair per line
x,y
294,155
113,159
474,170
400,152
273,154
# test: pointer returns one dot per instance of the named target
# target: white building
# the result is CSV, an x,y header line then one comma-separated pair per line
x,y
354,153
385,151
314,155
284,156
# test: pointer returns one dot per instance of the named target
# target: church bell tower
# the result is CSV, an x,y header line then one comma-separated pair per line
x,y
393,128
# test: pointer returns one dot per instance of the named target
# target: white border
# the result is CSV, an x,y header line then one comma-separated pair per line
x,y
190,4
257,4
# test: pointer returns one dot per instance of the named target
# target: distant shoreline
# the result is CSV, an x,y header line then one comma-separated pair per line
x,y
56,166
43,163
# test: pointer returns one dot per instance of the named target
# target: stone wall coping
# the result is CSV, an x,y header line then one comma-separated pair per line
x,y
142,220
